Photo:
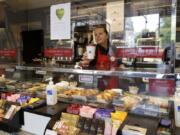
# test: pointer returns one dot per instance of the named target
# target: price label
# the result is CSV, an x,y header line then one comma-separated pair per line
x,y
50,132
10,69
86,78
41,72
61,52
159,76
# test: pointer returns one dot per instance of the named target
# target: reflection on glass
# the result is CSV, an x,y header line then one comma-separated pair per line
x,y
138,27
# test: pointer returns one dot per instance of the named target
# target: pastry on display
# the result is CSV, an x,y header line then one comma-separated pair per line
x,y
10,82
2,79
79,92
107,95
63,85
161,102
133,89
37,87
130,101
1,111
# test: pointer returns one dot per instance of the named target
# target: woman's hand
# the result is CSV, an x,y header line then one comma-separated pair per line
x,y
85,61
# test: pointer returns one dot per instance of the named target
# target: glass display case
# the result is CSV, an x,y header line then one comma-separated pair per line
x,y
142,35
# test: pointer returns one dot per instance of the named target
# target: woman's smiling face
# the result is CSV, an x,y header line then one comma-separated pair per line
x,y
101,36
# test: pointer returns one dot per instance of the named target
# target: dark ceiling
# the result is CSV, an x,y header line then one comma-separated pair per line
x,y
132,7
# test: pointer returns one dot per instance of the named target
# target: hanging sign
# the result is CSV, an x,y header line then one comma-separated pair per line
x,y
58,52
140,52
8,52
60,22
115,15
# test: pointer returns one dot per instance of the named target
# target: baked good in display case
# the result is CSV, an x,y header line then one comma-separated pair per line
x,y
37,87
106,96
78,92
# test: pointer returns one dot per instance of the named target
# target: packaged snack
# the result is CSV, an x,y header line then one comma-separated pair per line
x,y
165,122
73,131
86,111
32,100
101,126
163,131
119,115
87,125
81,123
23,100
71,119
115,126
56,125
94,125
108,126
103,113
73,109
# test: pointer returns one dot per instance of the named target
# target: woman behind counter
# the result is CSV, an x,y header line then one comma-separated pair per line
x,y
104,59
104,55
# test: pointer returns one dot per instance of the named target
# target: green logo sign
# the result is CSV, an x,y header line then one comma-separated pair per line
x,y
60,13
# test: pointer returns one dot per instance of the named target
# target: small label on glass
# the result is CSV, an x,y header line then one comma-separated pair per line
x,y
86,78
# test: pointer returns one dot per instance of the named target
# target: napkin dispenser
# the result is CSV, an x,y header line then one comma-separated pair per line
x,y
133,130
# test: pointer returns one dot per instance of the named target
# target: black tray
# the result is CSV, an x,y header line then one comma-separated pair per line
x,y
14,124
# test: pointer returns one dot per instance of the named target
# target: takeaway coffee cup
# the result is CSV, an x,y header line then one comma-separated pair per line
x,y
90,51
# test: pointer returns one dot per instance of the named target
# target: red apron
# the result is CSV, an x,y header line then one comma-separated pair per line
x,y
103,63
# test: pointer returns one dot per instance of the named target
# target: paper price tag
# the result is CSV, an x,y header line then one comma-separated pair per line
x,y
50,132
10,69
159,76
86,78
40,72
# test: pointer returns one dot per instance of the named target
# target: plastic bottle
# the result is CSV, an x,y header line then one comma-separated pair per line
x,y
177,108
51,93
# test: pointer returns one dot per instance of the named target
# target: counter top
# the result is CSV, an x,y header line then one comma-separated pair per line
x,y
126,72
49,111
